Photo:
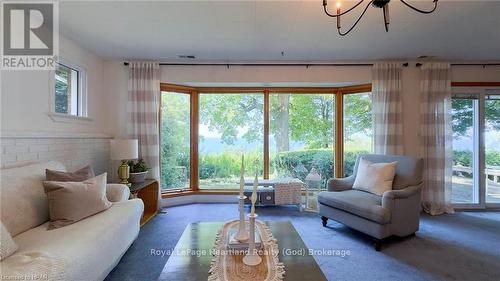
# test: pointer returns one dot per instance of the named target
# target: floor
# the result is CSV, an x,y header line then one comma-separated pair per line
x,y
462,246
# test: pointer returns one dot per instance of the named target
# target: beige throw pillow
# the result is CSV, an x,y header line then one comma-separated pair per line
x,y
7,245
82,174
375,178
70,202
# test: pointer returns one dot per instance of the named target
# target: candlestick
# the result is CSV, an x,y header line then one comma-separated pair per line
x,y
252,257
242,175
242,234
254,192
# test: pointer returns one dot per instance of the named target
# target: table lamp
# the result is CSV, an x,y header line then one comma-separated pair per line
x,y
124,150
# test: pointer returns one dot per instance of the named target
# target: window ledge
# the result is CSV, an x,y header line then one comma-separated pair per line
x,y
66,118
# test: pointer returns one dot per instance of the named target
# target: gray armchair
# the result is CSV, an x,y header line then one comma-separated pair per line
x,y
396,212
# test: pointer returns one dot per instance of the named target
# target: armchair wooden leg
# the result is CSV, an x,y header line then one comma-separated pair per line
x,y
378,245
324,221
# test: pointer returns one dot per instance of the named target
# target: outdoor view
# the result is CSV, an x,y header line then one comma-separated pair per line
x,y
358,128
465,185
230,125
492,147
301,136
66,85
301,133
174,137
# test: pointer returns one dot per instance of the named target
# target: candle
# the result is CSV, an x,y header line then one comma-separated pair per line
x,y
254,192
338,15
242,175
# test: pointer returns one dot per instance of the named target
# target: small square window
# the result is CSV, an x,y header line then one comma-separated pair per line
x,y
69,90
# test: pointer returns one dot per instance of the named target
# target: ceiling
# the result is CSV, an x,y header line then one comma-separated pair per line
x,y
262,30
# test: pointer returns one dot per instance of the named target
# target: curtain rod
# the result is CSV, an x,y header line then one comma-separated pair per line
x,y
308,64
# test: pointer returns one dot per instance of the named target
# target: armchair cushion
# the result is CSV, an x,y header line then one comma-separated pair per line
x,y
340,184
375,178
360,203
117,192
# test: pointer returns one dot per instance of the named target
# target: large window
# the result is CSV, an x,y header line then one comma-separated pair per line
x,y
230,125
175,140
281,132
476,153
301,136
358,131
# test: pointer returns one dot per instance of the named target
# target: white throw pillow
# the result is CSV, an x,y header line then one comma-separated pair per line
x,y
375,178
7,245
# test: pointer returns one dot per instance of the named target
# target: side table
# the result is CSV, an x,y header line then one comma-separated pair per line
x,y
148,191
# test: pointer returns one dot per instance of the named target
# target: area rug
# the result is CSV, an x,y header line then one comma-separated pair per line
x,y
228,265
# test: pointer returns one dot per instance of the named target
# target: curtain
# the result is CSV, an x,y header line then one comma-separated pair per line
x,y
143,112
387,108
436,137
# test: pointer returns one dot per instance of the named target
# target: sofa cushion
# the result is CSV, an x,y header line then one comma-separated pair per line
x,y
71,201
360,203
375,178
24,204
82,174
91,247
7,245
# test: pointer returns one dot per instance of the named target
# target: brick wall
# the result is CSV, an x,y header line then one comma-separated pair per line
x,y
73,152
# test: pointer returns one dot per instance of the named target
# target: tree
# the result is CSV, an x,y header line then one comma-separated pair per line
x,y
229,114
463,116
307,118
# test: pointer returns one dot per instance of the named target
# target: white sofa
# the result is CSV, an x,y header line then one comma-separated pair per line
x,y
86,250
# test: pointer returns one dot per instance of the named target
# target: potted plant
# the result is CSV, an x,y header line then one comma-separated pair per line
x,y
138,171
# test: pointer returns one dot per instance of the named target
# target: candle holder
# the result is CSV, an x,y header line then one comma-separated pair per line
x,y
252,257
242,234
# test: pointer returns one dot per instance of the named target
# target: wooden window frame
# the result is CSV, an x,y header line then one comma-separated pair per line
x,y
195,92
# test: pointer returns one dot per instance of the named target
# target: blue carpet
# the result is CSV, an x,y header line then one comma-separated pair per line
x,y
462,246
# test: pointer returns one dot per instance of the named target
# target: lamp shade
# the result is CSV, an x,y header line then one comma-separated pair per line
x,y
124,149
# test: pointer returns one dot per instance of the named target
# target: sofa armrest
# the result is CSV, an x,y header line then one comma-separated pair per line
x,y
389,196
117,192
341,184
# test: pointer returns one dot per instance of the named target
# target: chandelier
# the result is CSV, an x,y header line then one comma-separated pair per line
x,y
382,4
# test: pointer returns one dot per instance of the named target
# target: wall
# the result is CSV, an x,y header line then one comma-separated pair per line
x,y
29,135
25,97
116,77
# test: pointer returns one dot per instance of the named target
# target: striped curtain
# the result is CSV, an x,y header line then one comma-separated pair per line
x,y
143,111
387,108
436,137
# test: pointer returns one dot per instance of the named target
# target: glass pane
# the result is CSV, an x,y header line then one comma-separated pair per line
x,y
464,111
358,131
492,148
175,142
230,125
66,90
301,136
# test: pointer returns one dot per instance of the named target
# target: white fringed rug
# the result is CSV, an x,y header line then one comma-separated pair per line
x,y
229,266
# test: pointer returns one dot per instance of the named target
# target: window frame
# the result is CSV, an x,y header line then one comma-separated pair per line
x,y
195,92
481,89
82,102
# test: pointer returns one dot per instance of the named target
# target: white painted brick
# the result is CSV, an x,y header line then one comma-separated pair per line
x,y
27,156
15,149
38,148
26,141
8,158
7,141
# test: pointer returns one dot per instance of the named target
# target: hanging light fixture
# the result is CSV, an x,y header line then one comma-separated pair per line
x,y
382,4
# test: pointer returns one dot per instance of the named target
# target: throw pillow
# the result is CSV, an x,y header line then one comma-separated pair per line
x,y
375,178
70,202
7,245
82,174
